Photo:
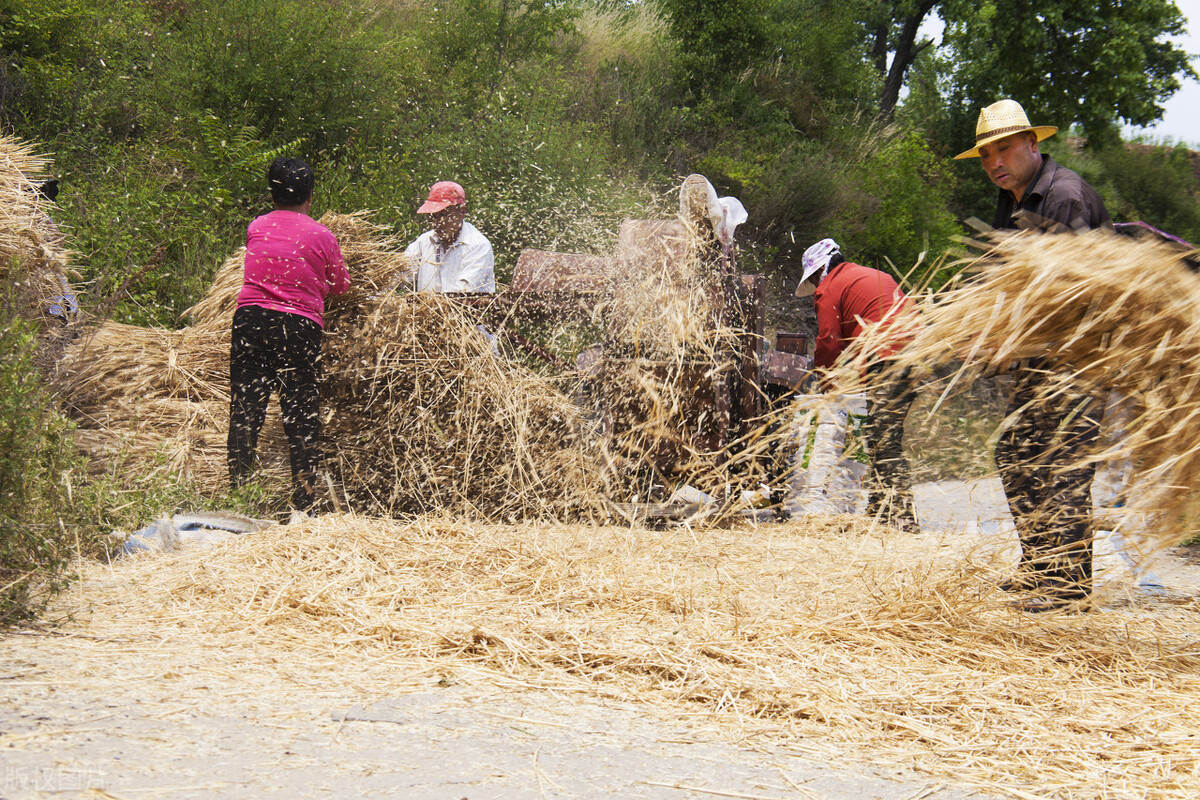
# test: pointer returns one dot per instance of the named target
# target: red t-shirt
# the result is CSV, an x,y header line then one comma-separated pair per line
x,y
847,298
292,263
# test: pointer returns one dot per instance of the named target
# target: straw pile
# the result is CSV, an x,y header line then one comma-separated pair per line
x,y
34,260
146,399
890,645
418,411
426,416
1107,312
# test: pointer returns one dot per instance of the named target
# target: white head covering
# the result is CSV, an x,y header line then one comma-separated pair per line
x,y
816,258
725,213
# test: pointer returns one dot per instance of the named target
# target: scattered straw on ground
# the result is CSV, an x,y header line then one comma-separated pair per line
x,y
829,628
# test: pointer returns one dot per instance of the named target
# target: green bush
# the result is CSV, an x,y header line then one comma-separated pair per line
x,y
51,511
36,460
143,207
1156,184
617,81
68,66
476,42
290,69
717,41
898,214
179,206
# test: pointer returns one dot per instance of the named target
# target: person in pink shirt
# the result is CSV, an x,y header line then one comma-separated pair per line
x,y
292,264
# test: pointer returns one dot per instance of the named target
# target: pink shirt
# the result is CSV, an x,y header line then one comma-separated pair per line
x,y
292,264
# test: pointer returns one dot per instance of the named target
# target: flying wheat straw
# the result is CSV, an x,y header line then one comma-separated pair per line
x,y
1100,312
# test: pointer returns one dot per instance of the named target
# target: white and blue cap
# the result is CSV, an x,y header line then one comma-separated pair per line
x,y
816,259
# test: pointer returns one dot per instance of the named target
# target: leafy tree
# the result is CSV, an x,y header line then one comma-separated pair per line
x,y
1155,184
819,67
1085,63
893,28
718,40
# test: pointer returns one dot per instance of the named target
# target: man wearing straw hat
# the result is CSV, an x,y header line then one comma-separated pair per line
x,y
848,297
1052,424
452,256
1032,186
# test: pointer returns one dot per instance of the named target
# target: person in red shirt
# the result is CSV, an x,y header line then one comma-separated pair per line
x,y
848,297
292,264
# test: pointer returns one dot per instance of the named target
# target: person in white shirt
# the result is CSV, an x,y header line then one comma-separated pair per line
x,y
453,256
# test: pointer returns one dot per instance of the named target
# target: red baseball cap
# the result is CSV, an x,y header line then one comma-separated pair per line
x,y
441,195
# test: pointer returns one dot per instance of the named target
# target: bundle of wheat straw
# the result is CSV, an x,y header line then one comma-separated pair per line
x,y
146,399
425,415
676,339
1101,312
21,209
117,361
664,290
34,259
828,629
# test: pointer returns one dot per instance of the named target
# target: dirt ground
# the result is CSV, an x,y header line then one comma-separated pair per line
x,y
473,740
84,713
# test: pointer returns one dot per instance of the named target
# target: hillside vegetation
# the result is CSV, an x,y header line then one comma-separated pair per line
x,y
560,116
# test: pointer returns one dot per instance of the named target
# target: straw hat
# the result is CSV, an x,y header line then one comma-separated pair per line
x,y
1001,119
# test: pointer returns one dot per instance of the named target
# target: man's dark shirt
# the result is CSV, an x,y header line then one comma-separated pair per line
x,y
1056,194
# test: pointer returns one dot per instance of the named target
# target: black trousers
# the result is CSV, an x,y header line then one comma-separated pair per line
x,y
274,351
888,401
1048,487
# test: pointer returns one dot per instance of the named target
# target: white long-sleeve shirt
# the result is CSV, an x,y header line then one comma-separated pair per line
x,y
466,265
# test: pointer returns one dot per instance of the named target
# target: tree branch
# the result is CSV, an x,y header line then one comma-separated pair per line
x,y
906,52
